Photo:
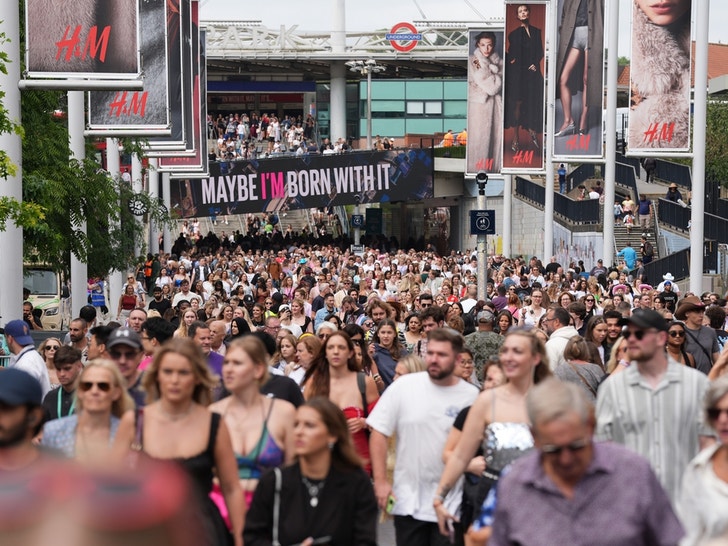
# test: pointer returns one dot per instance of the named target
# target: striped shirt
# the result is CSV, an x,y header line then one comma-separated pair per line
x,y
661,424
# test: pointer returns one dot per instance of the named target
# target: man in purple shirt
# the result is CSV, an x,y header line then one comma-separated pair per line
x,y
573,491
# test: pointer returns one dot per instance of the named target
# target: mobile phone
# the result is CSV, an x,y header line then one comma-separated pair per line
x,y
450,531
390,504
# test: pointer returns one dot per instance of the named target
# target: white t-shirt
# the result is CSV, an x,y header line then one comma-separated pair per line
x,y
421,414
30,361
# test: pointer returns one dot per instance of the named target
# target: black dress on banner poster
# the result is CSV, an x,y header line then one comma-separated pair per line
x,y
524,96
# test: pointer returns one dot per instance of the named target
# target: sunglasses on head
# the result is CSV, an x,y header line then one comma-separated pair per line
x,y
104,386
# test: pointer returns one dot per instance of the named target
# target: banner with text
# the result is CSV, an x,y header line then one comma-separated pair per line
x,y
145,111
485,101
659,115
311,181
89,39
523,99
579,90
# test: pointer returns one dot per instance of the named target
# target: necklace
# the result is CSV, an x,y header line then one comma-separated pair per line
x,y
314,488
176,416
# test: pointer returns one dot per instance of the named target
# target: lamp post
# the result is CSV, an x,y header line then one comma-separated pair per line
x,y
368,67
481,179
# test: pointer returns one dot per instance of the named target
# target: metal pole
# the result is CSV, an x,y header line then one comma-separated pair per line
x,y
482,240
11,239
116,277
507,214
610,168
167,199
700,96
137,185
79,269
153,194
369,108
548,209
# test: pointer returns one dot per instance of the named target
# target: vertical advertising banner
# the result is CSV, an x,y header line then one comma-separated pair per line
x,y
145,111
94,39
523,100
659,116
579,86
485,101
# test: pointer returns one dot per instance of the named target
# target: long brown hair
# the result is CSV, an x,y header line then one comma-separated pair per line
x,y
343,454
317,381
396,349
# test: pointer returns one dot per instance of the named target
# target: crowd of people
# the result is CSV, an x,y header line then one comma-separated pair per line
x,y
305,390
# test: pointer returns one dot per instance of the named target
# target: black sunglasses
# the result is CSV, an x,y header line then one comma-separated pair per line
x,y
639,334
573,447
104,386
676,333
714,413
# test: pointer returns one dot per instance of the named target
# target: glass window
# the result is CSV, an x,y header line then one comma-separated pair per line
x,y
433,108
415,108
387,106
456,109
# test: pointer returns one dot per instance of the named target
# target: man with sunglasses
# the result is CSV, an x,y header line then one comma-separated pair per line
x,y
126,349
654,407
568,480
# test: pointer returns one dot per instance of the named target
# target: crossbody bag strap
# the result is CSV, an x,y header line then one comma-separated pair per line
x,y
695,339
362,384
586,383
277,506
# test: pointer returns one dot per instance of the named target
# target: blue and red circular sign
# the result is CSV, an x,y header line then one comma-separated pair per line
x,y
403,37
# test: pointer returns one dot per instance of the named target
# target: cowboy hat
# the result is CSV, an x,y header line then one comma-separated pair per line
x,y
668,277
691,303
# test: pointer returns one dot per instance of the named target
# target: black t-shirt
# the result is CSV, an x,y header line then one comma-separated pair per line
x,y
670,299
50,404
285,388
160,306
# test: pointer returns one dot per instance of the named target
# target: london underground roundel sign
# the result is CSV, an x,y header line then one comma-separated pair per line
x,y
403,37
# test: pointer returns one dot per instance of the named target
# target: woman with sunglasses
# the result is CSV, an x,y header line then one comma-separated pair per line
x,y
177,426
47,350
703,502
676,337
101,402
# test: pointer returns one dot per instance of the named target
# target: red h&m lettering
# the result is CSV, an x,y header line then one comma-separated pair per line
x,y
660,131
523,158
578,142
135,106
485,164
93,46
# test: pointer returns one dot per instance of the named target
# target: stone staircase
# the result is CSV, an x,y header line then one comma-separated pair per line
x,y
621,237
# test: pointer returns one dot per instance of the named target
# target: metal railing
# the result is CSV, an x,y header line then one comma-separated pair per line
x,y
674,172
579,175
678,263
574,212
673,215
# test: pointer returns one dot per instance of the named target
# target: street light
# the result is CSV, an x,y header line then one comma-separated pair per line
x,y
481,179
367,68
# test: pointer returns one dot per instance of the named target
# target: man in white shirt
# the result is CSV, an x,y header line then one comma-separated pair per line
x,y
420,409
25,357
185,294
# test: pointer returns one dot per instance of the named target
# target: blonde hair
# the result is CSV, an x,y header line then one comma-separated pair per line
x,y
412,363
188,349
125,402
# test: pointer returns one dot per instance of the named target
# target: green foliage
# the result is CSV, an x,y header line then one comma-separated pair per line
x,y
716,143
623,61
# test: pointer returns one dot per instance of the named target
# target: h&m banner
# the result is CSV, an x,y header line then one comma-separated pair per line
x,y
89,39
309,181
523,100
485,101
145,111
579,86
659,116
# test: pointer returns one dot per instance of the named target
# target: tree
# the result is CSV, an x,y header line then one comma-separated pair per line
x,y
716,143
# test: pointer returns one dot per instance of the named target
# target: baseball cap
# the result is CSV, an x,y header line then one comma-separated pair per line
x,y
486,316
20,332
646,318
18,388
125,336
248,299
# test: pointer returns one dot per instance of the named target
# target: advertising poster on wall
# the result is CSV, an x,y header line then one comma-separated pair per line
x,y
89,39
659,116
523,99
309,181
578,92
485,101
145,111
